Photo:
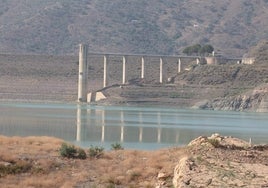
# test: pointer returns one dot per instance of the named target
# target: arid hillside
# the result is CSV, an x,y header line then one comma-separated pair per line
x,y
144,26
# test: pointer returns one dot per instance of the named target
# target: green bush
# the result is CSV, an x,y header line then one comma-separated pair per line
x,y
81,154
95,151
117,146
70,151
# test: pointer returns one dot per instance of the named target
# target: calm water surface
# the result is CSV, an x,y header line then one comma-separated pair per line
x,y
134,127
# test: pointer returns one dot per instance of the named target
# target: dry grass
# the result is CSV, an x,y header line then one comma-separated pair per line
x,y
127,168
40,165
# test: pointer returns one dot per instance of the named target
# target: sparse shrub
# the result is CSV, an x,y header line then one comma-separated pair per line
x,y
117,146
81,154
70,151
214,142
16,168
95,151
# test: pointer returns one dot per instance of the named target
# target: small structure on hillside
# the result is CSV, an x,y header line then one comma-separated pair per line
x,y
248,60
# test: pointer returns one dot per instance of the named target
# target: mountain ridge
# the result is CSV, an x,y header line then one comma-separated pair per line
x,y
150,27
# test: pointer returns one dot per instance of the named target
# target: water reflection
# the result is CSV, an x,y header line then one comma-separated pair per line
x,y
81,123
134,127
116,125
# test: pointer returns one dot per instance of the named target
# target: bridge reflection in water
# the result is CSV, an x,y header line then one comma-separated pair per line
x,y
100,125
135,127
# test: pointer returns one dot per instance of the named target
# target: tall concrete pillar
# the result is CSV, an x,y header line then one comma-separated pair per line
x,y
105,71
179,65
142,67
124,71
83,74
161,70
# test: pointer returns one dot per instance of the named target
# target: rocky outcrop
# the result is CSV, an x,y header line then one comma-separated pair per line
x,y
256,100
220,161
263,107
239,103
182,173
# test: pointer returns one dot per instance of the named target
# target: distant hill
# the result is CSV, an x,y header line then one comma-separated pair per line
x,y
127,26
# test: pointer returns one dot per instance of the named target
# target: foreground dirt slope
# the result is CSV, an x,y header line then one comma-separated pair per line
x,y
228,162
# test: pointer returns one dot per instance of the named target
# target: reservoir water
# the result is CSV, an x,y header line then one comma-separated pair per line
x,y
134,127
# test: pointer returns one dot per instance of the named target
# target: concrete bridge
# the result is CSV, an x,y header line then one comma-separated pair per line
x,y
144,59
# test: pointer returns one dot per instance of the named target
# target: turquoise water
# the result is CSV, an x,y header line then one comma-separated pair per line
x,y
132,126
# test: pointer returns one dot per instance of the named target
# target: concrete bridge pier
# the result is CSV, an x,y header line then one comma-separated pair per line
x,y
105,71
161,70
124,71
83,74
142,67
179,65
